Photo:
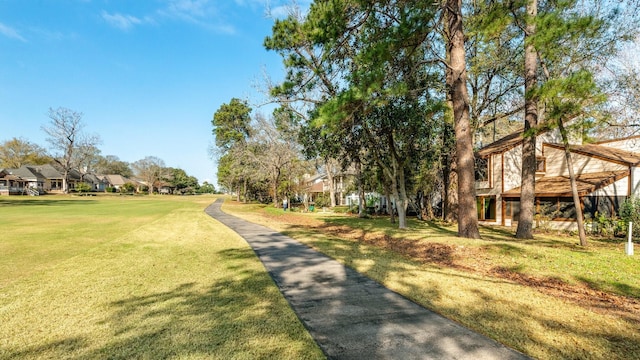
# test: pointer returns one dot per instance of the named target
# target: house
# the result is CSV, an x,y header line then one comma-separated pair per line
x,y
97,183
32,179
113,180
319,186
40,179
607,173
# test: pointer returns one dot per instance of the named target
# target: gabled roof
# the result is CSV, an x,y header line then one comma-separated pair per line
x,y
561,186
115,180
622,157
47,171
499,146
26,173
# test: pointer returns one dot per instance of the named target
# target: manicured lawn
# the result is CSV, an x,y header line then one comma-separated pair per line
x,y
125,277
547,297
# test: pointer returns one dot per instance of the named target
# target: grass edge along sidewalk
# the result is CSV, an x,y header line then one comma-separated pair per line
x,y
148,277
539,324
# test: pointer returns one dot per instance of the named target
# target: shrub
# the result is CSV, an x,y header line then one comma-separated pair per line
x,y
83,187
630,212
128,188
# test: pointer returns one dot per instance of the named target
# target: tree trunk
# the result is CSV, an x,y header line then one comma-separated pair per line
x,y
467,212
449,176
450,197
574,186
328,164
362,203
402,203
527,188
387,194
244,190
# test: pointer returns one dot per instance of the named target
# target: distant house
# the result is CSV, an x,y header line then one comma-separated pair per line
x,y
117,181
607,173
32,179
40,179
113,180
319,185
97,183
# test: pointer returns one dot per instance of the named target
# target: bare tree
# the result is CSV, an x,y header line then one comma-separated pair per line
x,y
66,139
276,157
151,170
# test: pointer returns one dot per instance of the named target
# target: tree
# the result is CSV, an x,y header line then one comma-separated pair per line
x,y
112,165
457,87
181,180
17,152
312,78
231,128
151,170
66,139
206,188
527,193
275,156
231,123
361,64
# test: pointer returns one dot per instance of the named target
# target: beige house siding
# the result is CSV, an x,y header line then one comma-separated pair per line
x,y
635,178
512,168
629,144
618,188
556,163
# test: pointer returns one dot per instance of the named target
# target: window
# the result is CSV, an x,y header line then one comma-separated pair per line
x,y
556,208
486,207
482,169
512,209
541,164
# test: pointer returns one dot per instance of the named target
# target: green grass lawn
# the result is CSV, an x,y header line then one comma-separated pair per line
x,y
135,277
577,303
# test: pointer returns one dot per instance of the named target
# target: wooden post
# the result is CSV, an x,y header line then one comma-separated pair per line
x,y
629,245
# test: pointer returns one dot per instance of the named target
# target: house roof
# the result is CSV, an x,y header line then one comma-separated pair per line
x,y
115,180
632,137
623,157
553,186
502,145
47,170
26,173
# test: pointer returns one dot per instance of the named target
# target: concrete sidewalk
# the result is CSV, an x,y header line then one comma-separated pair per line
x,y
351,316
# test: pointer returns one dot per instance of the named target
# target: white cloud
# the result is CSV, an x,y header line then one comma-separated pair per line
x,y
191,10
11,32
202,13
281,10
123,22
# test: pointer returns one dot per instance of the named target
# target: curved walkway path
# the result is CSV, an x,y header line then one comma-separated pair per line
x,y
351,316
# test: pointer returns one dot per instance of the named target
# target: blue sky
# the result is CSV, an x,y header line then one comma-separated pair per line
x,y
147,74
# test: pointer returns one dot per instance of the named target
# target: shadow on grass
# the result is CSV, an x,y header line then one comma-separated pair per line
x,y
626,289
241,315
516,327
42,202
61,348
520,325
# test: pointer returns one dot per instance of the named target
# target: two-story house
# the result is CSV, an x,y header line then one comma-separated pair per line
x,y
606,173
